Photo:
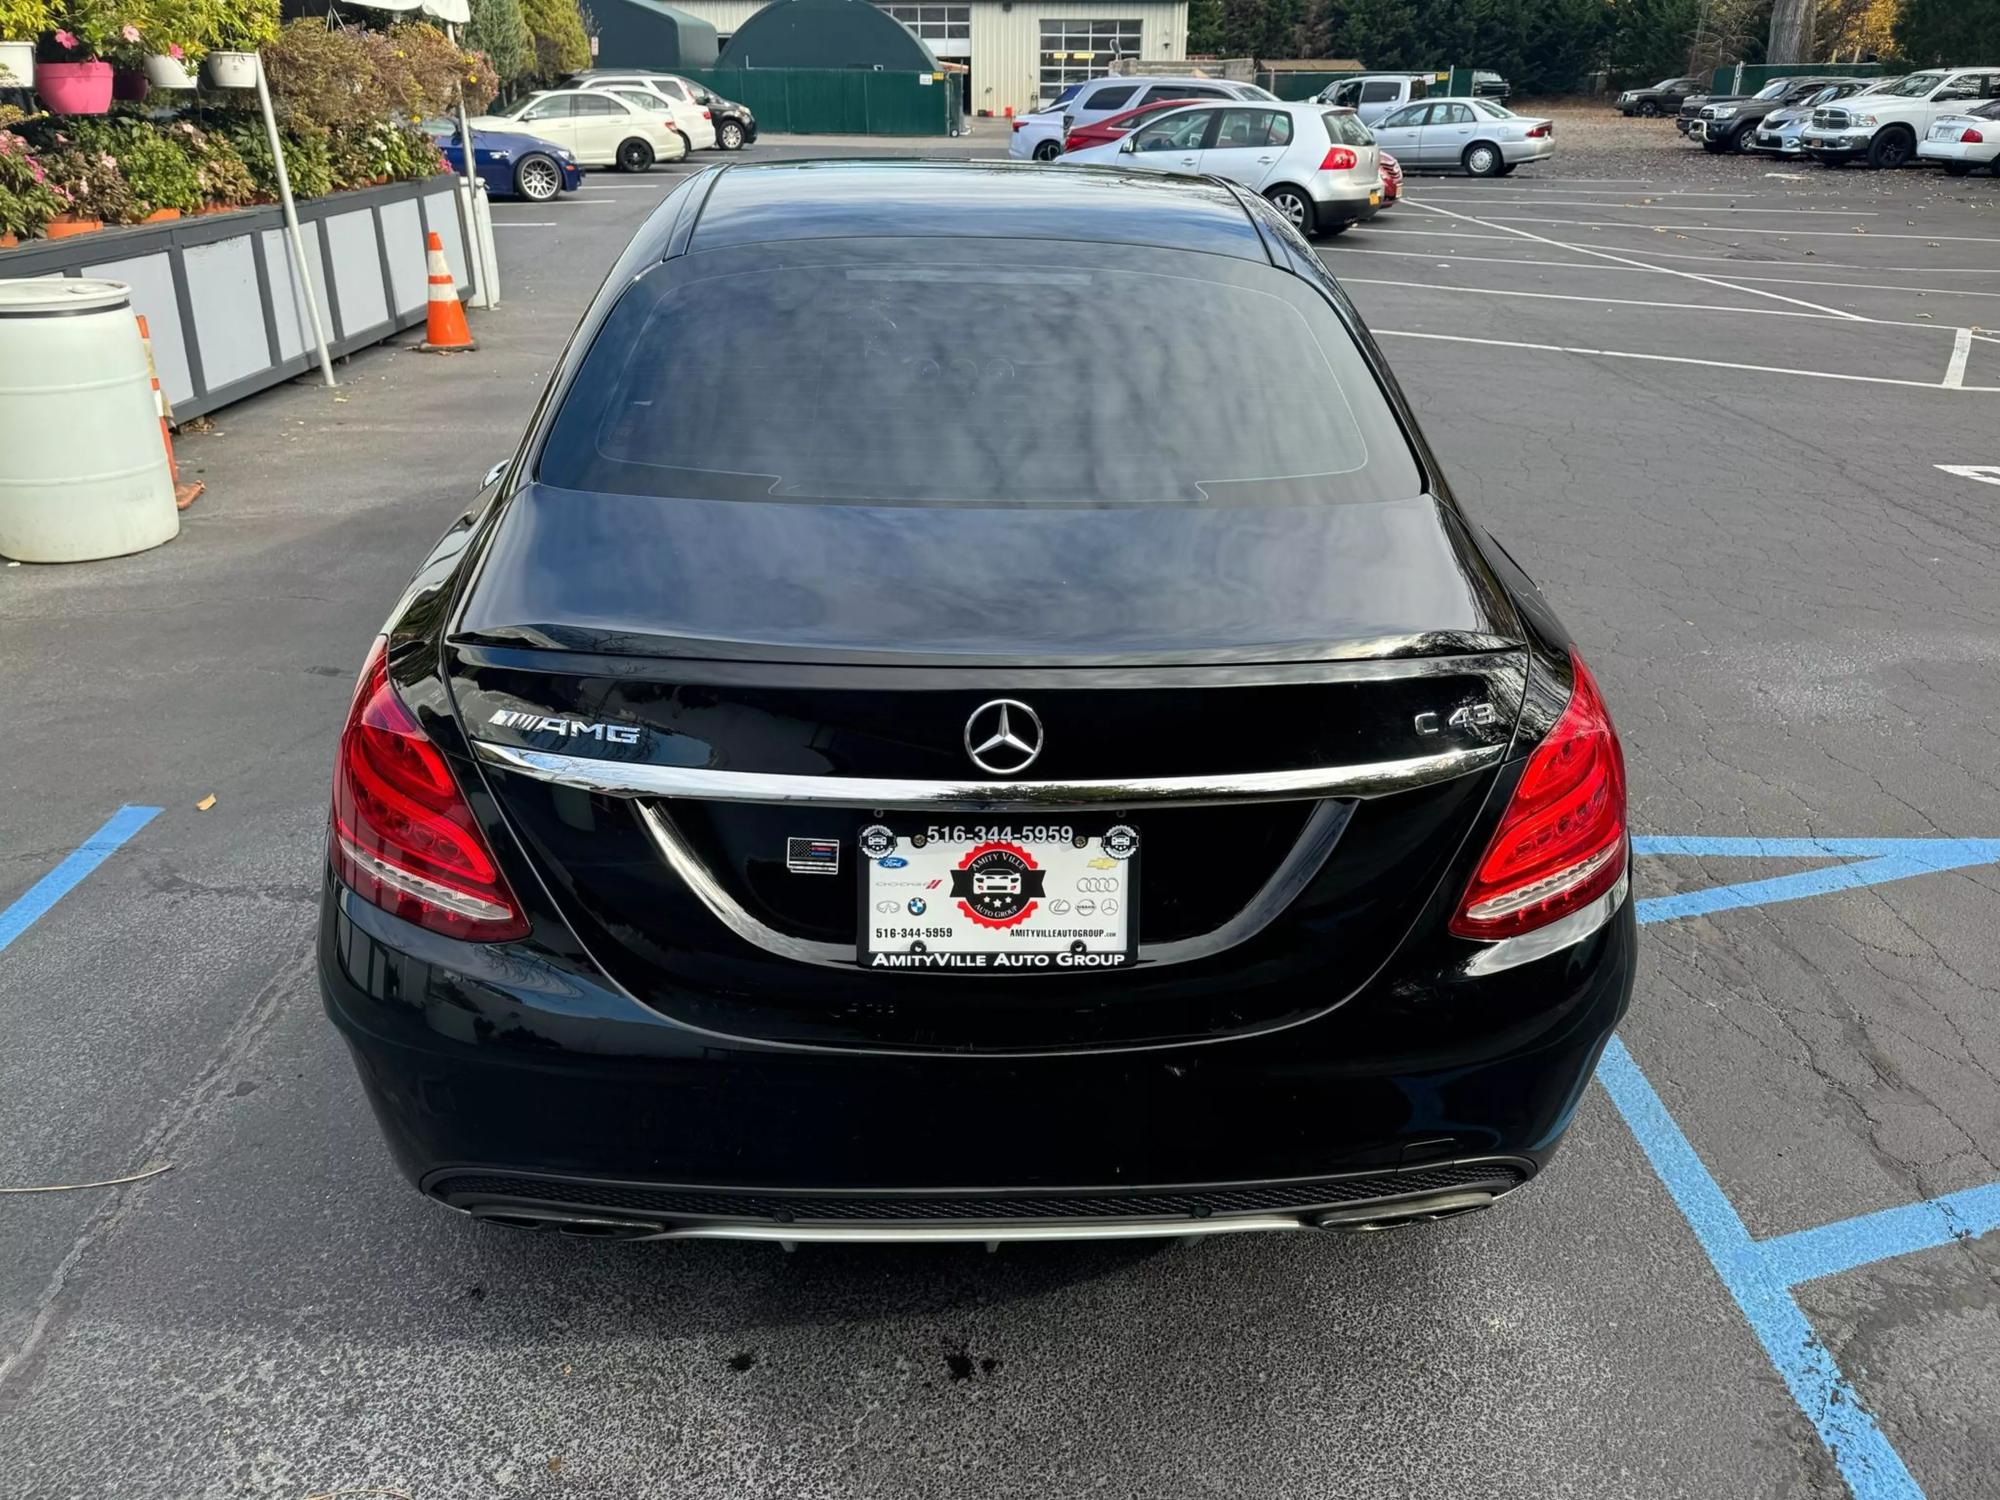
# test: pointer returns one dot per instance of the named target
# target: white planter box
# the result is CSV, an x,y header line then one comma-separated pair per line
x,y
17,65
233,70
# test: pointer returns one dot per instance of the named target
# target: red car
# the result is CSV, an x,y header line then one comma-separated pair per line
x,y
1392,179
1113,126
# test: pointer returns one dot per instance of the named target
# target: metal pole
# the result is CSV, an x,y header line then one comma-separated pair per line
x,y
483,280
292,225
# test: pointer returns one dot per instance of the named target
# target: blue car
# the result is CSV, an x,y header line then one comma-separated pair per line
x,y
510,164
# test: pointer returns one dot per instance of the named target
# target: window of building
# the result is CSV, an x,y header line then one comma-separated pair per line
x,y
934,23
1078,51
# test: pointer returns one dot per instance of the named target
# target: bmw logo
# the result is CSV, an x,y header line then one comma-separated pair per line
x,y
918,906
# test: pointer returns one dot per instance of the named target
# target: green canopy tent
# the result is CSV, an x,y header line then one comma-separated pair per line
x,y
651,34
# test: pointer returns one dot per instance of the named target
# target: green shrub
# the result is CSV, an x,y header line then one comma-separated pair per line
x,y
307,158
28,198
91,180
218,165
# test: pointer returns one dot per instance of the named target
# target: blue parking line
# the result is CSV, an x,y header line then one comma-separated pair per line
x,y
1866,1459
1879,860
1826,1250
28,908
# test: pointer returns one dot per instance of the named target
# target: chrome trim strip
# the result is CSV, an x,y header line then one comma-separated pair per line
x,y
1510,953
1315,843
628,779
891,1234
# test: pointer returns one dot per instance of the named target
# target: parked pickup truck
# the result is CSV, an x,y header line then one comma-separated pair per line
x,y
1374,95
1729,124
1883,128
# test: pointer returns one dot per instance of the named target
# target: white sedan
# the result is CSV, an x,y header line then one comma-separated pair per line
x,y
599,128
1475,134
1316,163
1038,136
1965,141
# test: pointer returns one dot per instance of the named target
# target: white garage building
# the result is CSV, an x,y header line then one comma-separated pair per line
x,y
1020,52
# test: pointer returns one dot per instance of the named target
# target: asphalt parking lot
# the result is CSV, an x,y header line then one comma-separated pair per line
x,y
1708,407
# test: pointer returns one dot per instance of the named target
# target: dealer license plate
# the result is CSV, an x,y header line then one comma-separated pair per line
x,y
999,897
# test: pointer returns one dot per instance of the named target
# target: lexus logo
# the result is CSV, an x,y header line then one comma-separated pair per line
x,y
1004,736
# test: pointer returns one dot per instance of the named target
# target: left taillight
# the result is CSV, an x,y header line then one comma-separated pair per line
x,y
403,837
1561,842
1339,159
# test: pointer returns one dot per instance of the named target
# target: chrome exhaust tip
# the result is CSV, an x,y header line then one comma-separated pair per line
x,y
1368,1218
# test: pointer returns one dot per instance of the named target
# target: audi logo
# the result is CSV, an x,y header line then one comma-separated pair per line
x,y
1099,883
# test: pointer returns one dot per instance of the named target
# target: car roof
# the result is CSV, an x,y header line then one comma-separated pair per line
x,y
763,201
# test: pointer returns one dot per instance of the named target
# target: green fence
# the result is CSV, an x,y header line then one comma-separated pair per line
x,y
1747,78
833,101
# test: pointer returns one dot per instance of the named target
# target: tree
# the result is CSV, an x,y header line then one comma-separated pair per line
x,y
498,29
1204,38
560,44
1932,33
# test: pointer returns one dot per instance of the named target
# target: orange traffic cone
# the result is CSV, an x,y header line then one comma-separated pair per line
x,y
444,320
184,493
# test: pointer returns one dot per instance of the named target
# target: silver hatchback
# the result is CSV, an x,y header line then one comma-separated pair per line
x,y
1316,163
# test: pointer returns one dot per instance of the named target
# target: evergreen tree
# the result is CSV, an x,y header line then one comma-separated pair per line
x,y
1204,37
498,30
560,44
1948,33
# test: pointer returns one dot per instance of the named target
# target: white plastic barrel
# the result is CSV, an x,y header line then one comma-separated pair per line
x,y
83,469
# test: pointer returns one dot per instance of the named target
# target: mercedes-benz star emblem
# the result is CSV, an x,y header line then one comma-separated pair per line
x,y
1004,736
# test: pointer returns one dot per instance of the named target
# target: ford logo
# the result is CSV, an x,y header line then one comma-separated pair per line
x,y
892,862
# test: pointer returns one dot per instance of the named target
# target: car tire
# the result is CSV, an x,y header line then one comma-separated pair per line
x,y
1648,110
1739,143
687,146
729,136
1297,205
537,178
1893,146
1483,159
634,155
1507,168
1048,150
1958,168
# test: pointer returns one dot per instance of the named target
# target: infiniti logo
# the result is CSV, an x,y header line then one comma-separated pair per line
x,y
1004,736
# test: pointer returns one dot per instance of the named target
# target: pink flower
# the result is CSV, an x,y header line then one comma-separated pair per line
x,y
66,39
174,51
130,32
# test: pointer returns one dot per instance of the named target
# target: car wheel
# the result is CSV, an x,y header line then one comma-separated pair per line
x,y
1891,148
634,155
729,136
1740,142
687,146
1048,150
1295,206
1483,159
537,178
1959,168
1507,168
1648,110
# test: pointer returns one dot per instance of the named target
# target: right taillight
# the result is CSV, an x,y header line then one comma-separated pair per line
x,y
403,837
1339,159
1970,136
1561,842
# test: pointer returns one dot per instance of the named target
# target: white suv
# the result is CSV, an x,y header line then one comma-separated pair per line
x,y
1884,127
1104,97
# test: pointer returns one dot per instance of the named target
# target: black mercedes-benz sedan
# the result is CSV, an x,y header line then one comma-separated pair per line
x,y
1025,746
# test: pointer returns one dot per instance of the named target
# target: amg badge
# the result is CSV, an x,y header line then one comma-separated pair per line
x,y
610,734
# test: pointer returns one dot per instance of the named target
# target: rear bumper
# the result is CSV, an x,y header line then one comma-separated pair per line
x,y
1516,152
1977,154
1333,212
507,1080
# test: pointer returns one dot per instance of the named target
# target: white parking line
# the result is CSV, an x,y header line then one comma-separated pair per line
x,y
1677,359
1584,265
1450,187
1663,270
1842,213
525,223
1821,234
1965,335
1961,350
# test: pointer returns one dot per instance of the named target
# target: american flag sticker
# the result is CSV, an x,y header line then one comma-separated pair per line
x,y
812,856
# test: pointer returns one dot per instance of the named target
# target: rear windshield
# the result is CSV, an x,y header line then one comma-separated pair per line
x,y
1023,373
1348,128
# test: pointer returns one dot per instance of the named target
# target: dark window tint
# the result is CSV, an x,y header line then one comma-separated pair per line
x,y
598,104
1183,91
1109,98
1381,91
896,372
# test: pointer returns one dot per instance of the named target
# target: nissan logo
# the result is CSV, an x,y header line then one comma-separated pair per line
x,y
1003,736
